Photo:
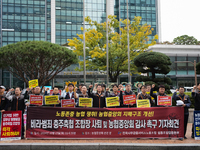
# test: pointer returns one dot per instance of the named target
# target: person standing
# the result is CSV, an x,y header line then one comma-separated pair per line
x,y
37,91
144,95
72,94
17,103
186,104
115,93
84,92
4,103
196,96
55,92
79,90
126,92
161,92
98,97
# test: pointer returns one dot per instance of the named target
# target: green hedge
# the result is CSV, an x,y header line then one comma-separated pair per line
x,y
186,93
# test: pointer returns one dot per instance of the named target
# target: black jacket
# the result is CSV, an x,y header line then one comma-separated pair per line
x,y
196,96
4,102
26,96
21,102
146,96
121,97
185,99
155,97
98,100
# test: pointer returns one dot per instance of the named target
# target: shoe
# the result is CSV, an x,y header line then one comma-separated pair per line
x,y
192,136
181,139
185,137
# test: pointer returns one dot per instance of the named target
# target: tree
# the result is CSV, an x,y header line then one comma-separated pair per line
x,y
40,60
186,40
154,63
95,38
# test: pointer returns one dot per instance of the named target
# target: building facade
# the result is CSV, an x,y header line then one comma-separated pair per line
x,y
58,20
181,74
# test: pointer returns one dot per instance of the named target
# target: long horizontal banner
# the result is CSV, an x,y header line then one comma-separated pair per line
x,y
154,122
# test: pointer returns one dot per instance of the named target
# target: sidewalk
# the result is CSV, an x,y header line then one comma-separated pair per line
x,y
63,144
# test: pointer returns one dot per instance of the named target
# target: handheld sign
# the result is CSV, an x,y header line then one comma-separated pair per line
x,y
33,83
197,125
11,123
88,102
143,103
112,101
36,99
67,103
154,92
164,100
51,100
129,99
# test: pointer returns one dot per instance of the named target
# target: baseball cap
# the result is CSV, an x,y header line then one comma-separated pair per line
x,y
2,87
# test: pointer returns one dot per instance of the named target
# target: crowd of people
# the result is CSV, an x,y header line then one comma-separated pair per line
x,y
14,100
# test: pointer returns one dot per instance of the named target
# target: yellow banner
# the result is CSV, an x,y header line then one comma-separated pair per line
x,y
33,83
51,100
143,103
88,102
112,101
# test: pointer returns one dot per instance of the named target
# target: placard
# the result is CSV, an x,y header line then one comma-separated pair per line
x,y
143,103
112,101
197,125
129,99
164,100
36,99
11,123
67,103
85,102
51,100
33,83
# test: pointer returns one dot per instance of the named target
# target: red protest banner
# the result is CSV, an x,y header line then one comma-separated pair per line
x,y
11,122
129,99
36,99
155,122
67,103
164,100
51,92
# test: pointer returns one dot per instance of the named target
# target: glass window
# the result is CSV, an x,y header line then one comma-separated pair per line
x,y
17,39
30,10
36,26
23,26
4,8
30,26
191,66
182,66
17,9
